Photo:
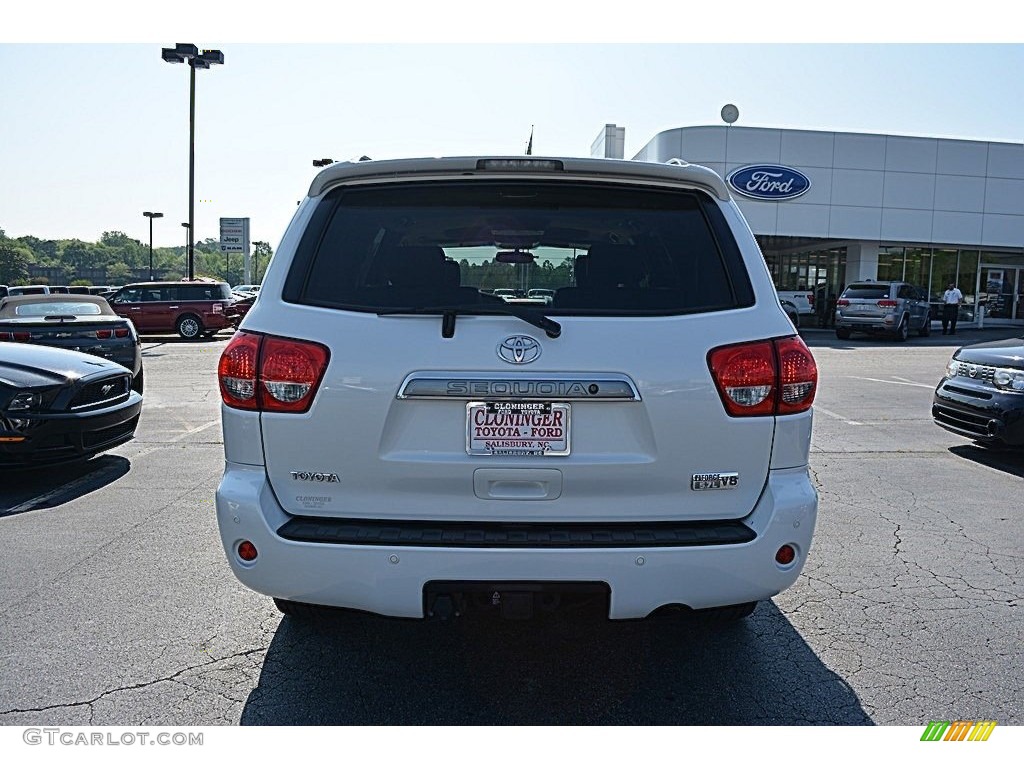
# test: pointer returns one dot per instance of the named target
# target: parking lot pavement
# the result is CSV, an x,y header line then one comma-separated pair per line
x,y
118,607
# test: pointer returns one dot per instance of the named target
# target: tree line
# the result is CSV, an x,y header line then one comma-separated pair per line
x,y
115,259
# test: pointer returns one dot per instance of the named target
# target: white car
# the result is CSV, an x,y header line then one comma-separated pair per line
x,y
399,441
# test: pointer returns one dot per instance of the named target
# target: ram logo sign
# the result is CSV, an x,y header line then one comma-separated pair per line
x,y
769,182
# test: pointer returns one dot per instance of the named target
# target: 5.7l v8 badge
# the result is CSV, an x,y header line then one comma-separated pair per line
x,y
714,481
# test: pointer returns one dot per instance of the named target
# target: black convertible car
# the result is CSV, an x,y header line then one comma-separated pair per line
x,y
982,394
58,406
76,322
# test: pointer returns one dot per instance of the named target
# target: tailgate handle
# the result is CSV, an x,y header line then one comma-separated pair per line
x,y
517,484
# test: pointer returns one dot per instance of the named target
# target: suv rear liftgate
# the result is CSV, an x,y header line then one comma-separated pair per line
x,y
413,398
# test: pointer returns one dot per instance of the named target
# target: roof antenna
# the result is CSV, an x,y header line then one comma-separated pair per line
x,y
529,144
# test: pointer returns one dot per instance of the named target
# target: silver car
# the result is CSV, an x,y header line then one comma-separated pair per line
x,y
883,308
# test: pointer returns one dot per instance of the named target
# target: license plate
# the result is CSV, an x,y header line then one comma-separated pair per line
x,y
517,429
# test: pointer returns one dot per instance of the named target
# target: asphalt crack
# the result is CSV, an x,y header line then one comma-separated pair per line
x,y
166,679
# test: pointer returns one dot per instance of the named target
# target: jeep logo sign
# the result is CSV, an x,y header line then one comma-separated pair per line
x,y
769,182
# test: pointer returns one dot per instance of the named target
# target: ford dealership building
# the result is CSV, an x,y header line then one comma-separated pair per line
x,y
829,208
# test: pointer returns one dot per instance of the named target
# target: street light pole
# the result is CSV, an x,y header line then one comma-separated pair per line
x,y
187,53
191,171
188,230
150,215
256,245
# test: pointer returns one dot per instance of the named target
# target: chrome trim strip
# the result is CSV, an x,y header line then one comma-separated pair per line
x,y
471,385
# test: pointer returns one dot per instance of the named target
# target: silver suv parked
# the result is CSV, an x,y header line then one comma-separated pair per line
x,y
889,309
399,439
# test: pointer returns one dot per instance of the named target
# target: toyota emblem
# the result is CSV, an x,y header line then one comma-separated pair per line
x,y
519,350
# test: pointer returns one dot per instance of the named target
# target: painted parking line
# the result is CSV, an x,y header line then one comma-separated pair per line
x,y
70,488
834,415
176,439
890,381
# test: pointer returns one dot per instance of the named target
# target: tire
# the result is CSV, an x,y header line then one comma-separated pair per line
x,y
903,331
209,334
842,333
926,329
726,613
139,381
190,327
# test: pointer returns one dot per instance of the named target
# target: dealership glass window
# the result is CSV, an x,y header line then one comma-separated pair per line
x,y
890,263
943,273
916,263
967,276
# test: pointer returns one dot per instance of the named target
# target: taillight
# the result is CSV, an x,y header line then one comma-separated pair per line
x,y
887,303
237,371
765,378
798,375
121,333
104,333
843,303
810,299
745,375
269,373
290,372
22,336
5,336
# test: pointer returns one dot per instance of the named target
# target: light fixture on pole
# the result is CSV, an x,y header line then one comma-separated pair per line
x,y
187,53
150,215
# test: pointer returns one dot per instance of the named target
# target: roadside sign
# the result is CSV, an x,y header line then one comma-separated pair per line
x,y
234,235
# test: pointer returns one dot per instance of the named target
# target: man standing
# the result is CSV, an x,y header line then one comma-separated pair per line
x,y
950,308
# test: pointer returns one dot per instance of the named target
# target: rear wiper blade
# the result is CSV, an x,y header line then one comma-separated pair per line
x,y
534,318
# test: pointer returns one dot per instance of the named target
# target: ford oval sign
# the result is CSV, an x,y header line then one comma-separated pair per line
x,y
769,182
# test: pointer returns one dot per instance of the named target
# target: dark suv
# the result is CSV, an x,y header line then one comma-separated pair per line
x,y
190,308
886,308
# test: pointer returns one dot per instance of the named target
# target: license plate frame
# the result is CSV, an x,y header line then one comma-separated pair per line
x,y
526,443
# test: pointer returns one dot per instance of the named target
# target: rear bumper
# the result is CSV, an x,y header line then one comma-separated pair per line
x,y
885,324
390,579
215,321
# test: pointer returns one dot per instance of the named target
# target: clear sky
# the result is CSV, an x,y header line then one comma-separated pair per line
x,y
93,133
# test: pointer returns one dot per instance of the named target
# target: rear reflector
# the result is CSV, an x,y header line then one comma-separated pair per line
x,y
765,378
785,555
247,551
269,373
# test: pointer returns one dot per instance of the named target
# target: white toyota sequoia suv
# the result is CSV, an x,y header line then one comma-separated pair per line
x,y
405,434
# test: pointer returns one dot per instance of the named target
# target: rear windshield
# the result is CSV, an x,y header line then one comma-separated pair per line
x,y
58,308
560,248
867,292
